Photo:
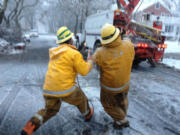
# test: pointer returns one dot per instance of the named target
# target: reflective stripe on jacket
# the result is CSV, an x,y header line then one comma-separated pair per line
x,y
65,62
58,93
115,89
115,60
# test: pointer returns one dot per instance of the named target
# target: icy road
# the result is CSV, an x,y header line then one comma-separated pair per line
x,y
154,98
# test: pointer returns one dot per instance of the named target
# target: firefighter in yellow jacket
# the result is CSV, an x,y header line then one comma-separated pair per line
x,y
115,59
64,65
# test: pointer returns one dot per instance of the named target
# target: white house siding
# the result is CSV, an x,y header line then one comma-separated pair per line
x,y
171,25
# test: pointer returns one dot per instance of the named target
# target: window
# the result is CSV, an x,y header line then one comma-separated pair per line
x,y
169,28
166,28
147,17
157,6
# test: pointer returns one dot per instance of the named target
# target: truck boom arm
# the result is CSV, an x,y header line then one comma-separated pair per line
x,y
128,7
123,20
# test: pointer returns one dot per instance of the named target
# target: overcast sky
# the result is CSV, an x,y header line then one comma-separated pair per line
x,y
147,3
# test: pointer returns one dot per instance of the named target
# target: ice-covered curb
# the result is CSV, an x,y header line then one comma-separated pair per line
x,y
172,63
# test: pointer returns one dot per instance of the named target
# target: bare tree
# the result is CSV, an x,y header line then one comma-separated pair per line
x,y
2,10
15,13
71,13
73,8
80,9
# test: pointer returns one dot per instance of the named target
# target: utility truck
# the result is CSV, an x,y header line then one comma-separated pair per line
x,y
148,41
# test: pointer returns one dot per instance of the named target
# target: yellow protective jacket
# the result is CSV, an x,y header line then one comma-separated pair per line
x,y
115,61
65,62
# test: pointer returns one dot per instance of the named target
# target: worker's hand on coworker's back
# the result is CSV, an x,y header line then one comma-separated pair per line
x,y
89,58
89,52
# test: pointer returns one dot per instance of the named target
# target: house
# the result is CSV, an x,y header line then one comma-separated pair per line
x,y
157,9
171,25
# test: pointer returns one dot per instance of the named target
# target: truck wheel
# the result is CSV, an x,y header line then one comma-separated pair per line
x,y
136,63
152,62
97,44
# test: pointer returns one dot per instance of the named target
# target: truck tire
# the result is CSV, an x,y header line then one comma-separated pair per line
x,y
97,44
151,62
136,63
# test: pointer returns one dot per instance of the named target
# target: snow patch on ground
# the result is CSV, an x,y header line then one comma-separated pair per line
x,y
172,47
172,63
3,42
4,45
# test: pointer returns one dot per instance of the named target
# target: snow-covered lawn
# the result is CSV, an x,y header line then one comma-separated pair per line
x,y
172,47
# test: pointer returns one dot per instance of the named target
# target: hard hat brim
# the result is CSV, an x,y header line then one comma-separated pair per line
x,y
104,42
64,40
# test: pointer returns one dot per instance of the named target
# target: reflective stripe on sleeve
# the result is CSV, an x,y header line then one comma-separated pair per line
x,y
115,89
39,117
59,92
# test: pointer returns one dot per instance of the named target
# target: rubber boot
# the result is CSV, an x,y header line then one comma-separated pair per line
x,y
28,129
89,116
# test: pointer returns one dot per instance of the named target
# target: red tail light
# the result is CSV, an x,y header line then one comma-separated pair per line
x,y
162,46
143,45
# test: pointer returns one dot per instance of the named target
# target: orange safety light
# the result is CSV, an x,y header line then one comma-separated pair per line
x,y
162,46
144,45
138,45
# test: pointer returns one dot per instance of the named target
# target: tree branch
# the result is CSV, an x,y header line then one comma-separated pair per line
x,y
15,10
27,6
4,5
3,10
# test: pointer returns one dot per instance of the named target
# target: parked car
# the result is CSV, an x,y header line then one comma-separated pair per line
x,y
33,33
19,46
